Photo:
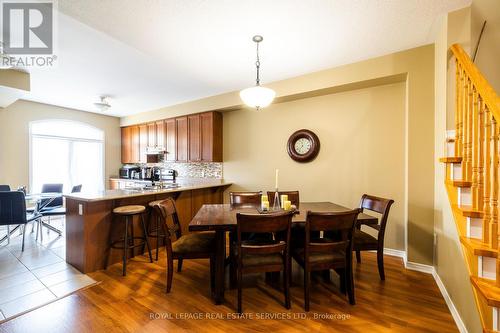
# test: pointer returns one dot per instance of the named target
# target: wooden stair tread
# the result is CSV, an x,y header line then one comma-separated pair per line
x,y
478,247
450,159
488,289
459,183
467,211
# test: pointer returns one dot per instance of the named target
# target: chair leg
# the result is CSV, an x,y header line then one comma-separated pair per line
x,y
179,265
157,228
37,228
8,234
146,238
286,285
170,272
232,262
307,276
239,277
48,221
358,256
125,247
24,231
350,285
380,263
212,274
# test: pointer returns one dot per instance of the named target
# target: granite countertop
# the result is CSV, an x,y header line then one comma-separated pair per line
x,y
128,193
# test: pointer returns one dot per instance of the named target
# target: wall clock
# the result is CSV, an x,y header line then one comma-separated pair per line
x,y
303,146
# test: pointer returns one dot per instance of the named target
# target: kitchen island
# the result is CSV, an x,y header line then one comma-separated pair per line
x,y
89,218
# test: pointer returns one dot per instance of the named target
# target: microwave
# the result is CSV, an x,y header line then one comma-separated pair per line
x,y
130,172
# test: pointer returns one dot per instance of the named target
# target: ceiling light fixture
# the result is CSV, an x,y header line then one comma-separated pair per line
x,y
257,97
103,105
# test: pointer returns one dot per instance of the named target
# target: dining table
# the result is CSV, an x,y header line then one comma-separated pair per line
x,y
221,218
36,202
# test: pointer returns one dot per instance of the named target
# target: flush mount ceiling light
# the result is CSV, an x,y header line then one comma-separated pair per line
x,y
103,105
257,97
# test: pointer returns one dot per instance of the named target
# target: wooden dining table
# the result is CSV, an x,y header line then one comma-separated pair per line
x,y
221,218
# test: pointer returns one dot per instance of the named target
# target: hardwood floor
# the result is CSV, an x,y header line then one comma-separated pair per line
x,y
407,301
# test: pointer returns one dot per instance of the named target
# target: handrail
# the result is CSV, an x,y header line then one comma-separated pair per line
x,y
483,87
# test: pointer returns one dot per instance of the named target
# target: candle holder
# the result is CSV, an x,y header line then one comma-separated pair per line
x,y
276,204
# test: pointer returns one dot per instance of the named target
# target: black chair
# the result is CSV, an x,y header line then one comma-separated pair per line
x,y
13,211
52,188
58,211
4,188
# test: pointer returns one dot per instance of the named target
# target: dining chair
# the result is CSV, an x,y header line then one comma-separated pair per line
x,y
273,256
293,197
60,210
330,250
13,212
366,242
53,188
244,199
200,245
4,188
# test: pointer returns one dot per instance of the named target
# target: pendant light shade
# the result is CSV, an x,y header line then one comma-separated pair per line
x,y
257,97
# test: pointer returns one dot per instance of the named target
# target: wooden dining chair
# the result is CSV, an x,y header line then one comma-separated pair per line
x,y
366,242
273,256
244,199
200,245
332,250
293,197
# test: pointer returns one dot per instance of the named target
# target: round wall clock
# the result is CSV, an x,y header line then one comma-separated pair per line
x,y
303,146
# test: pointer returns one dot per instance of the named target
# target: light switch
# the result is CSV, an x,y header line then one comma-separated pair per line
x,y
80,209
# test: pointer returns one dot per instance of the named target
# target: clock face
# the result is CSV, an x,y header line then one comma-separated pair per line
x,y
302,146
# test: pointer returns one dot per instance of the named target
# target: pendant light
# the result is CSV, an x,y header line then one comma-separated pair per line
x,y
258,96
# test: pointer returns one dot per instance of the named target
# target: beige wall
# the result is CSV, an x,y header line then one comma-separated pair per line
x,y
14,137
416,68
362,149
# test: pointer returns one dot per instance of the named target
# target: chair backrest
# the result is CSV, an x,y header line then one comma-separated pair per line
x,y
4,188
167,210
242,199
76,189
52,188
12,208
278,224
293,197
338,230
378,205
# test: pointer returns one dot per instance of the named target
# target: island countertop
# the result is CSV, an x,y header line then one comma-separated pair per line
x,y
129,193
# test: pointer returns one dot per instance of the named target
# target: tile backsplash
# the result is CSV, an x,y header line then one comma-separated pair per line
x,y
194,169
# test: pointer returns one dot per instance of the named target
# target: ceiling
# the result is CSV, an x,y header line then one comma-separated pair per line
x,y
156,53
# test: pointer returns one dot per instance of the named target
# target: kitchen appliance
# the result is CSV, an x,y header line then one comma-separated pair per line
x,y
156,174
146,173
168,175
129,172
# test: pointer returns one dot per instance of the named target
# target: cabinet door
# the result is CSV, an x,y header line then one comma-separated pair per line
x,y
126,145
170,139
181,127
211,137
152,135
194,138
134,133
160,134
143,143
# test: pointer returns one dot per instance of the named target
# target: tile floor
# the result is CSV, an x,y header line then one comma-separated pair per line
x,y
38,275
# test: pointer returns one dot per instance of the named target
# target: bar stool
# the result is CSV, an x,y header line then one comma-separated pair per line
x,y
156,228
127,242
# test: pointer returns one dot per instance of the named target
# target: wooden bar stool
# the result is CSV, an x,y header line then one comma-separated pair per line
x,y
128,241
156,227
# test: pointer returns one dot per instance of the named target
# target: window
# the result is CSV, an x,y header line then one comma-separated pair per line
x,y
66,152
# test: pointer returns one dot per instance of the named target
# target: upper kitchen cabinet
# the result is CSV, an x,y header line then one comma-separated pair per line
x,y
182,148
192,138
211,136
170,139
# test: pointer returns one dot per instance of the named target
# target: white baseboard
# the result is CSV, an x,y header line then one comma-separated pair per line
x,y
431,270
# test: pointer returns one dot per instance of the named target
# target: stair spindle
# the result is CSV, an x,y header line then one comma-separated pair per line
x,y
494,184
475,151
458,113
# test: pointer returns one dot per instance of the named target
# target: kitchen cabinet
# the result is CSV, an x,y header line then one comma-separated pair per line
x,y
211,136
194,138
160,134
191,138
170,139
181,127
143,143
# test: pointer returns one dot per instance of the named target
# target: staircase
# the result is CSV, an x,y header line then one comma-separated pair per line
x,y
472,162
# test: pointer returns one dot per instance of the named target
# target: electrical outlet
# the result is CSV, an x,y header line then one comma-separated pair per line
x,y
80,209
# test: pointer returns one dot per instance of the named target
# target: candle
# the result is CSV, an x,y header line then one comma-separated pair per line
x,y
265,205
287,205
264,198
284,198
277,173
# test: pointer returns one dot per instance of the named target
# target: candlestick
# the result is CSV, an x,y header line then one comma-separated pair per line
x,y
276,204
